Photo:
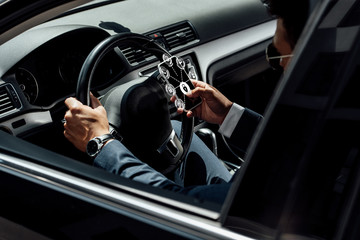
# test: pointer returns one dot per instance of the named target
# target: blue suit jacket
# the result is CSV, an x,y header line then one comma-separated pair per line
x,y
117,159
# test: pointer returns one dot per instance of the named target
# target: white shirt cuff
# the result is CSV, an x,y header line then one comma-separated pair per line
x,y
231,120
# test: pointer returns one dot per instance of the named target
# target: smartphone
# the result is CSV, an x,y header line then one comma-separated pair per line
x,y
177,82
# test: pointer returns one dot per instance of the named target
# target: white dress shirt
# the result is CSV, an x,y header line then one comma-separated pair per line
x,y
231,119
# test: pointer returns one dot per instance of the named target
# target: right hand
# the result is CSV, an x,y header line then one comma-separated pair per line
x,y
83,122
214,107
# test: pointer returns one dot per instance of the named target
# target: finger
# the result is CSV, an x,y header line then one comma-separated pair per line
x,y
75,133
95,102
71,117
190,114
67,117
197,83
70,130
180,110
72,103
67,134
78,144
68,102
199,92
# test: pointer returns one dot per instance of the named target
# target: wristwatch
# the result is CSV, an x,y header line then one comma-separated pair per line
x,y
94,146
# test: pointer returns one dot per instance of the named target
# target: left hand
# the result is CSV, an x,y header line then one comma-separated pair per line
x,y
83,122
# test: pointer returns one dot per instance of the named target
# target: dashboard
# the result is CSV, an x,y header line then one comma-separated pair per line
x,y
40,67
51,71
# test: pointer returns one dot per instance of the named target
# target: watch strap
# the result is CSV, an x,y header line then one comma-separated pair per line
x,y
106,137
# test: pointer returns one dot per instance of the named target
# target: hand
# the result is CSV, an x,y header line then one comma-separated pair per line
x,y
83,122
214,107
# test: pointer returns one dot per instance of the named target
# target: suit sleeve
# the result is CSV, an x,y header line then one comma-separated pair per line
x,y
117,159
245,129
239,127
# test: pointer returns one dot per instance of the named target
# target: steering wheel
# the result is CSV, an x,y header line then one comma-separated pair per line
x,y
138,113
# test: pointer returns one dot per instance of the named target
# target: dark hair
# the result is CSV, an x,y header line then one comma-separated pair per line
x,y
293,13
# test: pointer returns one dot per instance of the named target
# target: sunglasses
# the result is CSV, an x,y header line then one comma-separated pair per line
x,y
274,58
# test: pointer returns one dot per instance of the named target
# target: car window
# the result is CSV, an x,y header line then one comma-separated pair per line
x,y
302,182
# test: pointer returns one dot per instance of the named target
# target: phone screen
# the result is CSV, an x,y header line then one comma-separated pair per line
x,y
177,82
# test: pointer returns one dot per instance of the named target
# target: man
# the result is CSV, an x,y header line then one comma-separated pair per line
x,y
291,19
84,123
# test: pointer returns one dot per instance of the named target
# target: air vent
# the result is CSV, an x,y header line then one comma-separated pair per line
x,y
9,100
179,35
135,56
172,38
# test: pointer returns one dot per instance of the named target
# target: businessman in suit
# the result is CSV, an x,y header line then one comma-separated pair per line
x,y
84,123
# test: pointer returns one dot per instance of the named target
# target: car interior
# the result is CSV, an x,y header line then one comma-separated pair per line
x,y
43,71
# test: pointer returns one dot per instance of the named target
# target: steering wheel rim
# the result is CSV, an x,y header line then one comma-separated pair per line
x,y
149,45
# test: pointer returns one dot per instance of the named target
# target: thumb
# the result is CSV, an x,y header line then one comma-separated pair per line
x,y
197,92
94,101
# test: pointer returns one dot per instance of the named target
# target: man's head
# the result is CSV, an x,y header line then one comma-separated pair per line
x,y
292,17
293,14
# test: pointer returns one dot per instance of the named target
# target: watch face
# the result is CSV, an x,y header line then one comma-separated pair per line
x,y
92,147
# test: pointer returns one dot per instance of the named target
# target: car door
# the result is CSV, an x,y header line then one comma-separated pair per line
x,y
301,178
